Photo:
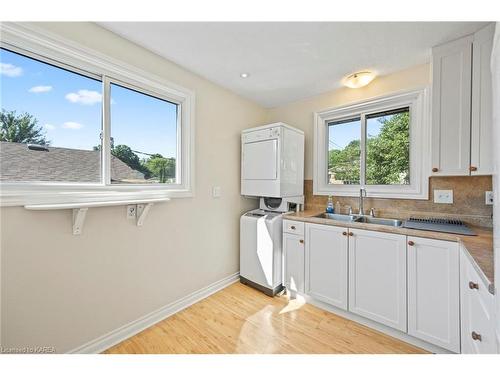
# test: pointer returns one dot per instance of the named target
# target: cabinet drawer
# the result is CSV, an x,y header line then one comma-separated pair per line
x,y
293,227
478,331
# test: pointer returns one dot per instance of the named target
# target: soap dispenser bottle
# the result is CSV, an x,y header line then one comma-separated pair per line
x,y
329,206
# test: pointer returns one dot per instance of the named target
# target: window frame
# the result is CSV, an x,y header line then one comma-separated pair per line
x,y
418,103
46,47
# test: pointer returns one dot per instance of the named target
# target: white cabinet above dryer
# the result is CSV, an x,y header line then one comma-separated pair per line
x,y
272,161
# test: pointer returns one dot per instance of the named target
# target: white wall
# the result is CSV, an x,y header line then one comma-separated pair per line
x,y
63,290
300,113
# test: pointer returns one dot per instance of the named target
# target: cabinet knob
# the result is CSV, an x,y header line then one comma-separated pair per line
x,y
351,234
293,227
472,169
411,243
473,285
435,169
344,233
476,336
301,241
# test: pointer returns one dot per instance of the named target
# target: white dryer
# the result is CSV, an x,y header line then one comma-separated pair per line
x,y
272,161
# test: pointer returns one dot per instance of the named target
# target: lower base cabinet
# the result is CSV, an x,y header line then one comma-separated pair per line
x,y
424,287
293,249
326,264
433,292
377,277
477,309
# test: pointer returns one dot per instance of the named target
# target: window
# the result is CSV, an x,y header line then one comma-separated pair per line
x,y
56,109
143,136
374,144
78,123
388,148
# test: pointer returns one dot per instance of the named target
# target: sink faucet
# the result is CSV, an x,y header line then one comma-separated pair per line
x,y
362,194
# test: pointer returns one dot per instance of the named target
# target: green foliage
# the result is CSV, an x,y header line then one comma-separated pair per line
x,y
345,164
387,155
22,128
161,168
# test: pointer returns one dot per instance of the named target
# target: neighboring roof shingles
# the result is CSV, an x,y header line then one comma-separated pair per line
x,y
18,163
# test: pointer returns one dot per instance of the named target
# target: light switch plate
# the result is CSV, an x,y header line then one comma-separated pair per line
x,y
443,196
216,192
488,196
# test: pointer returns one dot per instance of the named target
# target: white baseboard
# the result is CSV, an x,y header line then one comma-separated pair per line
x,y
116,336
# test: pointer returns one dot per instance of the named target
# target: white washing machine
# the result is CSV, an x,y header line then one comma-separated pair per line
x,y
261,255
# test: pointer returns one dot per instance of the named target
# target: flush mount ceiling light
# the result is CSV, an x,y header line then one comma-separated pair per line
x,y
244,75
359,79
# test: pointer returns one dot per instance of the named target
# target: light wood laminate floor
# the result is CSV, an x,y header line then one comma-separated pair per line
x,y
239,319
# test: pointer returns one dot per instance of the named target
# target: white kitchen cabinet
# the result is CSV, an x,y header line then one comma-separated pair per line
x,y
482,114
477,311
326,264
462,106
377,277
433,292
293,248
451,107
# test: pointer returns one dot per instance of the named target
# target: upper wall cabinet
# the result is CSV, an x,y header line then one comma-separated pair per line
x,y
461,106
481,111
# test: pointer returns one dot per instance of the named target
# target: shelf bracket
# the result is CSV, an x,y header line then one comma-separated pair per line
x,y
142,213
79,219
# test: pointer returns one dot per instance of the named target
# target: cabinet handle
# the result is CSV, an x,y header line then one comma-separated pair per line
x,y
435,169
411,243
473,285
473,169
293,227
301,241
476,336
351,234
344,233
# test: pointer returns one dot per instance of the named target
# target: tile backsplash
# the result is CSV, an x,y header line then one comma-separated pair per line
x,y
468,201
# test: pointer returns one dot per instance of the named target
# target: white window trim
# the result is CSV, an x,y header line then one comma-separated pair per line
x,y
32,40
418,101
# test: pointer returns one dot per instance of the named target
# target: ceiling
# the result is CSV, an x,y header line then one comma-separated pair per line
x,y
288,61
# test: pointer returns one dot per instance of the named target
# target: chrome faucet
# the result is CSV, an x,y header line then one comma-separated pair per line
x,y
362,194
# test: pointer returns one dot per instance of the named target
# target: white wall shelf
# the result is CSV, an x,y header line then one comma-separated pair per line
x,y
80,209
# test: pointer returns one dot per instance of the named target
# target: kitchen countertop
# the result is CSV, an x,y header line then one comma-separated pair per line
x,y
479,247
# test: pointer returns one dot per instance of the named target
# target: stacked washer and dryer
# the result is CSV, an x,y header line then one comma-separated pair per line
x,y
272,169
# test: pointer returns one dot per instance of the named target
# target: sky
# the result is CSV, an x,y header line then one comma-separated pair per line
x,y
68,106
342,134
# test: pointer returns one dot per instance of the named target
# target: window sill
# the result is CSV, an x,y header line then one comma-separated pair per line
x,y
35,198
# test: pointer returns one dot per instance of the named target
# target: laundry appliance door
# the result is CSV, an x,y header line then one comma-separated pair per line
x,y
260,160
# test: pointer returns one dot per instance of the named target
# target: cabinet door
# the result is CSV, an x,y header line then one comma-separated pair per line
x,y
293,247
482,114
326,264
451,102
377,277
433,292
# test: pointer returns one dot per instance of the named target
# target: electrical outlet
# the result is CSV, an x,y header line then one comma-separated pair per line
x,y
488,196
443,196
131,211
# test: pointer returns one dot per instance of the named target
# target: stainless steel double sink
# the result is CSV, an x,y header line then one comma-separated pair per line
x,y
361,219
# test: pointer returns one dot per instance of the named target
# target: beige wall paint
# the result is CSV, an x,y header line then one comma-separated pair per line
x,y
63,290
300,114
